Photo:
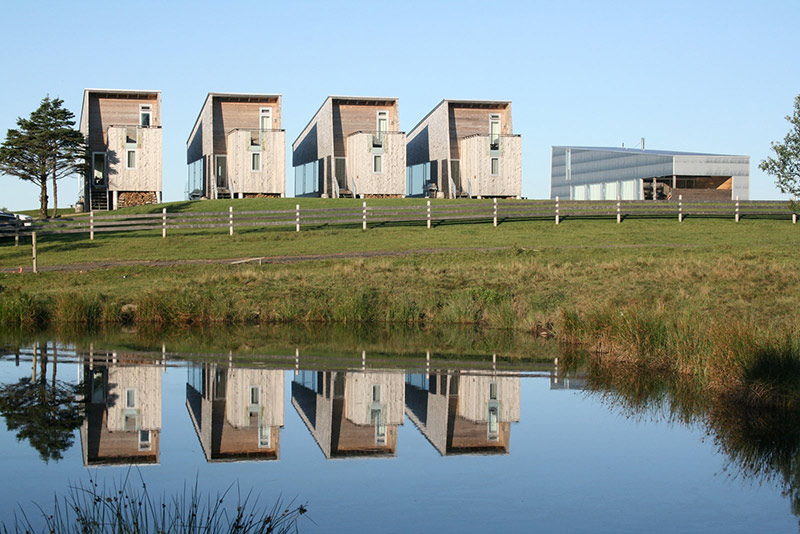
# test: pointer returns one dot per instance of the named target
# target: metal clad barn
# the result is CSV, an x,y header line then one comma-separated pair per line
x,y
600,173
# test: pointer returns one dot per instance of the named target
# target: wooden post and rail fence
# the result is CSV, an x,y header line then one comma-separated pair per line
x,y
416,214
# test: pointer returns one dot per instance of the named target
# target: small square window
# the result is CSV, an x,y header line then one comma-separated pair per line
x,y
130,159
255,161
377,163
495,166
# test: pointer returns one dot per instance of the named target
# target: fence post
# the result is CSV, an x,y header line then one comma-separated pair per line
x,y
680,208
364,216
33,251
16,231
429,214
619,213
556,210
163,223
297,217
737,209
230,220
91,225
494,213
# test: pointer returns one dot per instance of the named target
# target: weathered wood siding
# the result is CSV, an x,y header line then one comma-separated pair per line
x,y
230,114
392,181
146,176
349,118
271,385
272,176
146,380
476,167
108,109
473,396
358,396
466,121
429,141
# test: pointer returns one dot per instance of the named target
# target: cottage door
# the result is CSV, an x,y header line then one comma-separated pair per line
x,y
222,172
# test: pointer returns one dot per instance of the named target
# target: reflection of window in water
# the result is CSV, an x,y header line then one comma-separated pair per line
x,y
494,413
144,440
130,398
376,415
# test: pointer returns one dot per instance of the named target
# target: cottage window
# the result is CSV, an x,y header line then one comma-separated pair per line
x,y
130,398
255,395
495,166
144,440
145,115
265,122
383,124
377,163
255,161
494,131
130,159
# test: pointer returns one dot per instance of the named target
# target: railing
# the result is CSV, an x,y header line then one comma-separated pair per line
x,y
478,211
378,136
494,139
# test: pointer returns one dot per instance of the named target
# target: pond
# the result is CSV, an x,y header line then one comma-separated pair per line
x,y
391,438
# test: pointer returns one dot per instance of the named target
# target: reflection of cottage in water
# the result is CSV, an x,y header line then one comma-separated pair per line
x,y
123,413
561,379
237,413
351,413
462,413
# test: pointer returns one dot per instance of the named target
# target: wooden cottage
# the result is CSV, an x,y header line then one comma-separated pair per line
x,y
123,412
351,148
237,413
237,148
461,413
465,148
351,414
123,132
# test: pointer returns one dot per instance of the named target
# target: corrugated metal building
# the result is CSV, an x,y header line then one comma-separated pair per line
x,y
600,173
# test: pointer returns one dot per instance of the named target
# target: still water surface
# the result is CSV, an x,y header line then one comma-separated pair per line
x,y
430,444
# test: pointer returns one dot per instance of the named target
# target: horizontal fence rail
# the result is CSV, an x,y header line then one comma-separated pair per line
x,y
418,214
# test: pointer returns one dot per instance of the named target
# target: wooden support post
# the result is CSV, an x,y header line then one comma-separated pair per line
x,y
557,210
163,223
230,220
737,209
655,197
429,214
680,208
364,216
297,217
91,225
33,251
16,231
494,213
794,218
619,213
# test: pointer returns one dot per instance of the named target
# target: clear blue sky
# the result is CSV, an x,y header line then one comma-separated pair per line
x,y
695,76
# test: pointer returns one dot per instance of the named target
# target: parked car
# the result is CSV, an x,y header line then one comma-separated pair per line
x,y
7,218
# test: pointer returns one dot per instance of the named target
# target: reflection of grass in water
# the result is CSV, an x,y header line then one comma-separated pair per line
x,y
89,508
755,422
249,342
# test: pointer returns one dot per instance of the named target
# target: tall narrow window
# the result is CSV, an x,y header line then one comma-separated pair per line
x,y
145,115
494,131
376,392
383,124
130,398
377,163
265,121
255,161
255,395
130,159
495,166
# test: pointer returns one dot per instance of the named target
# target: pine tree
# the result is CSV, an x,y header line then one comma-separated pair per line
x,y
44,146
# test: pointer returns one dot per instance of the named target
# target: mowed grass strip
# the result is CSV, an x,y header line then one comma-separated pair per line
x,y
748,235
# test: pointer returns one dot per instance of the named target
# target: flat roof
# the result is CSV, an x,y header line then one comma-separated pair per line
x,y
646,152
